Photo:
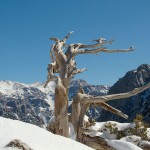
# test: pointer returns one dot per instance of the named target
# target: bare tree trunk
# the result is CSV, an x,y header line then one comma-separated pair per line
x,y
64,64
76,108
81,121
61,111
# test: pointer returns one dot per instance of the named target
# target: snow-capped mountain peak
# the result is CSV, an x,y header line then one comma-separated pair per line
x,y
32,102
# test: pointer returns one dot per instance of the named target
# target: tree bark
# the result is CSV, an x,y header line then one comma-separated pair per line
x,y
76,108
61,111
64,64
96,142
101,49
98,99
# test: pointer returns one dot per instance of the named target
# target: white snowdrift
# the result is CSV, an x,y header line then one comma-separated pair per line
x,y
35,137
122,145
129,142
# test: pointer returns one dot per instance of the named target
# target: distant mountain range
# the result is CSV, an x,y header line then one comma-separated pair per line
x,y
29,103
34,104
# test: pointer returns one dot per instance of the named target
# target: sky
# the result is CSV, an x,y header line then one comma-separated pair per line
x,y
27,25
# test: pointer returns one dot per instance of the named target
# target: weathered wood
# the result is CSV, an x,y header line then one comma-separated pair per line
x,y
86,100
61,110
96,45
98,99
111,109
51,53
101,49
64,64
17,144
96,142
81,120
76,108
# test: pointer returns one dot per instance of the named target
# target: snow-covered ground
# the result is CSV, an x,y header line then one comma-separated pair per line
x,y
35,137
129,142
40,139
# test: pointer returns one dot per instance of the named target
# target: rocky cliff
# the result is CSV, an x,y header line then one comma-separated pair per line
x,y
139,104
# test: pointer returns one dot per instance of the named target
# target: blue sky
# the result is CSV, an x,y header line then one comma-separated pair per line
x,y
26,25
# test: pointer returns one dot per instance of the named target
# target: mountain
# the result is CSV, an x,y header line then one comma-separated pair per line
x,y
29,103
139,104
33,103
95,90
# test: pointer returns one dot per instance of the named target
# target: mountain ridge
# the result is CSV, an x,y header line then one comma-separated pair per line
x,y
33,103
138,104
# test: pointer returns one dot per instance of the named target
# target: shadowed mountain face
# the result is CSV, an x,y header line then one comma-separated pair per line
x,y
139,104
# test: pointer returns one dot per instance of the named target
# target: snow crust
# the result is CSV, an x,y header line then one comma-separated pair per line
x,y
122,145
35,137
131,142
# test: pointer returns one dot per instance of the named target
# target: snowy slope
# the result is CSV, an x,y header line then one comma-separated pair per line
x,y
127,142
35,137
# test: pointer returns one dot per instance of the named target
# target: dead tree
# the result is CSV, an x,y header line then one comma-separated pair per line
x,y
63,64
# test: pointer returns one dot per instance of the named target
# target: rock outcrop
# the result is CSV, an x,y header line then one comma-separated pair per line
x,y
139,104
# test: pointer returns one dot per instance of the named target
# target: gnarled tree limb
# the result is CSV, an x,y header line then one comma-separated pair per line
x,y
112,109
101,49
96,45
67,36
51,53
86,99
98,99
77,71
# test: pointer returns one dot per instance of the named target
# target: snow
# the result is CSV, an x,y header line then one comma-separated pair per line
x,y
35,137
10,88
40,139
9,148
72,132
106,132
86,118
132,139
122,145
48,89
16,89
130,142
